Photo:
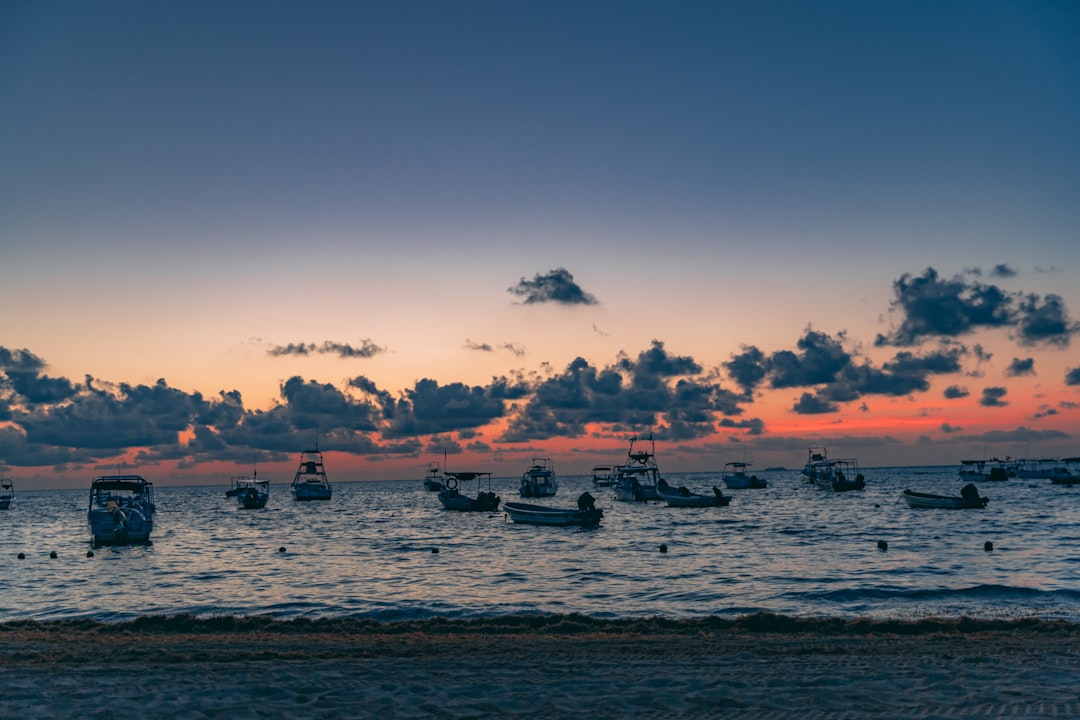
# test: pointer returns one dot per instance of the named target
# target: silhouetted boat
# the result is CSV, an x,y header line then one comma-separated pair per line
x,y
310,482
250,492
636,479
539,480
841,476
816,465
969,498
976,470
683,497
7,492
1068,473
735,477
601,476
433,481
121,510
585,515
453,499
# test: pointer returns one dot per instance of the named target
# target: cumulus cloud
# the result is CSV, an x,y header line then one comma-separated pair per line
x,y
367,349
992,397
954,392
1020,367
1072,376
557,286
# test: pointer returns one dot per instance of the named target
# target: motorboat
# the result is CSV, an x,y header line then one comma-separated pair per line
x,y
969,498
250,492
636,479
976,470
735,477
7,493
841,476
539,480
433,481
601,476
586,514
1067,473
684,497
310,481
452,497
817,463
121,510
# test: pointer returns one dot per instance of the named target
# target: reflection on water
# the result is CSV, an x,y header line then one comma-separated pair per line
x,y
370,552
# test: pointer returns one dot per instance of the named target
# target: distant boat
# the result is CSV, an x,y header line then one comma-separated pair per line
x,y
433,481
601,476
969,498
539,480
1068,473
452,497
585,515
121,510
250,492
683,497
7,493
976,470
310,481
735,477
841,476
636,479
816,465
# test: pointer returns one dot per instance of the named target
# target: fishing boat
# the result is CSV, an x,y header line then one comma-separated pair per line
x,y
601,476
841,476
250,492
586,514
1068,473
636,479
539,480
452,497
433,481
735,477
121,510
817,464
977,470
969,498
7,493
310,481
684,497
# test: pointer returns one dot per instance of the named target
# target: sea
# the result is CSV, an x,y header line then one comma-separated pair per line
x,y
388,551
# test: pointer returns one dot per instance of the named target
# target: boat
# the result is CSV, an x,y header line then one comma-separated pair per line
x,y
816,464
735,478
121,510
453,498
841,476
1068,473
1037,468
433,481
969,498
636,479
7,493
586,514
683,497
539,480
310,481
601,476
250,492
976,470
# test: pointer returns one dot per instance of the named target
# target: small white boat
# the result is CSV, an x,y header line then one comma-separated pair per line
x,y
310,481
250,492
601,476
636,479
683,497
735,477
433,481
121,510
7,493
841,476
816,465
539,480
453,498
585,515
969,498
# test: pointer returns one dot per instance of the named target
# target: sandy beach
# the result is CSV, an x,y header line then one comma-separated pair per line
x,y
759,666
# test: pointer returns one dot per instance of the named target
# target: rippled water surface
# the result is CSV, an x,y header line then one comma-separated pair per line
x,y
370,553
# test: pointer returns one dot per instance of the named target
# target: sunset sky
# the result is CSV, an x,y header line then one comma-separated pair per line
x,y
513,229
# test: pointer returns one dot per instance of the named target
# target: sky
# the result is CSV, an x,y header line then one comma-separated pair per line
x,y
491,231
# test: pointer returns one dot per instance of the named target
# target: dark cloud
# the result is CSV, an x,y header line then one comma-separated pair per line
x,y
1072,376
514,348
557,286
367,349
748,369
992,397
430,408
819,360
482,347
948,429
1002,271
809,404
954,392
1020,367
1045,321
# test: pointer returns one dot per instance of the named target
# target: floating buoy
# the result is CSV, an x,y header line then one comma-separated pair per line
x,y
663,548
89,553
988,546
53,554
882,545
281,549
434,551
22,556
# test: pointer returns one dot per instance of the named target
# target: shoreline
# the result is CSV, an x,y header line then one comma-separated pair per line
x,y
552,666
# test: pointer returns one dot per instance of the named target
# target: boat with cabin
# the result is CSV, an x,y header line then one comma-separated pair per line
x,y
310,482
539,480
969,498
684,497
817,464
452,497
637,478
977,470
121,510
601,476
433,481
251,493
735,477
1068,473
586,514
841,476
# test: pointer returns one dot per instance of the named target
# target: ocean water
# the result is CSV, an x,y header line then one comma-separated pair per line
x,y
371,553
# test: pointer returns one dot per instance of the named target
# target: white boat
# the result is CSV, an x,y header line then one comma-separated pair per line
x,y
977,470
735,477
452,497
636,479
433,481
586,514
310,481
816,464
969,498
121,510
250,492
7,493
601,476
539,480
841,476
683,497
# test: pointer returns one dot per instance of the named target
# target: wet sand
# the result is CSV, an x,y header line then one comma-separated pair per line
x,y
761,666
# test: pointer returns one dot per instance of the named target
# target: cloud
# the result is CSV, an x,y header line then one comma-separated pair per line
x,y
482,347
954,392
1020,367
992,397
1072,376
947,428
367,349
809,404
557,286
1045,321
1002,271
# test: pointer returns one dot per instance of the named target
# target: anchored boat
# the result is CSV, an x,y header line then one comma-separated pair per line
x,y
121,510
637,478
310,481
539,480
585,515
453,498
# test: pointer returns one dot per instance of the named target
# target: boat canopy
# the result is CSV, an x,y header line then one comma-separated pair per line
x,y
120,482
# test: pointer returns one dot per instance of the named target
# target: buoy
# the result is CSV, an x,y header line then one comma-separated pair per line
x,y
434,551
89,553
53,554
663,548
22,556
882,545
988,546
281,549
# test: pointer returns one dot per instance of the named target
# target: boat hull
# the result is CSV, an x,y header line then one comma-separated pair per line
x,y
744,482
943,502
127,526
526,514
675,497
311,492
483,502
